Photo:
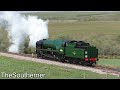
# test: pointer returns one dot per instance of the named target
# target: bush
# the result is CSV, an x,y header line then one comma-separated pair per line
x,y
4,40
25,48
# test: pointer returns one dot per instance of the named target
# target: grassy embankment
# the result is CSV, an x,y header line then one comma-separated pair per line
x,y
10,65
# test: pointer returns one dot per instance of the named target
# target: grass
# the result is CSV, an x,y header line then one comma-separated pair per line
x,y
81,16
10,65
61,15
77,30
110,62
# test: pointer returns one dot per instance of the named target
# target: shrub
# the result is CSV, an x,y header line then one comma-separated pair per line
x,y
25,48
4,40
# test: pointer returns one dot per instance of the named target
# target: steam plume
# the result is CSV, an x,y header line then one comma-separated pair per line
x,y
19,26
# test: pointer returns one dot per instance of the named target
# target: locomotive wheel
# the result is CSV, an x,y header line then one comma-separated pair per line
x,y
61,58
82,63
76,62
70,61
38,56
79,62
93,64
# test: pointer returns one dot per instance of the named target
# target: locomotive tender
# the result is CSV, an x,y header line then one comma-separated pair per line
x,y
71,51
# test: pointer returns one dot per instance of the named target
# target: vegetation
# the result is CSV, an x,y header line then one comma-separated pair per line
x,y
79,16
101,29
4,41
10,65
110,62
25,48
65,37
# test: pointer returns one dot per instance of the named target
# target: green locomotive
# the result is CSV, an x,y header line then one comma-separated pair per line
x,y
71,51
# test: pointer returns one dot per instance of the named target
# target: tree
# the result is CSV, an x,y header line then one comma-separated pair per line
x,y
4,40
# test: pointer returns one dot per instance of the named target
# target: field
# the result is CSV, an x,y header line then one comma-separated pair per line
x,y
78,29
81,16
10,65
110,62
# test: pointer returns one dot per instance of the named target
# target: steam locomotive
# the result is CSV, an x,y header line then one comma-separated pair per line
x,y
71,51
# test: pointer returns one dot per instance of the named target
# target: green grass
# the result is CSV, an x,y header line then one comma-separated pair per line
x,y
110,62
81,16
62,15
10,65
78,30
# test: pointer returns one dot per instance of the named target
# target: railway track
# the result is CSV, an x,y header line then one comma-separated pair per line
x,y
107,69
98,69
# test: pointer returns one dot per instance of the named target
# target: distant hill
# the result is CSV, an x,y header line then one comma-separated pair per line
x,y
81,16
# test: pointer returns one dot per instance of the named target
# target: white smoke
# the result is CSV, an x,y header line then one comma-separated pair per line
x,y
19,26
